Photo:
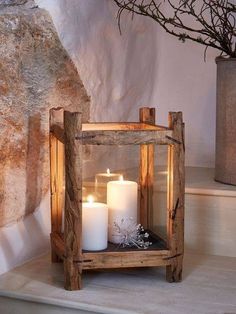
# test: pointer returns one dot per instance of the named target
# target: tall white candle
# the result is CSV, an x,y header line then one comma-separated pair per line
x,y
122,201
94,226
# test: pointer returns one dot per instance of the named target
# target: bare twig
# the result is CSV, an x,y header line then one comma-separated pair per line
x,y
211,23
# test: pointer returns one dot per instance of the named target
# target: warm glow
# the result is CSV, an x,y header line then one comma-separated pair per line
x,y
90,199
121,178
163,172
108,171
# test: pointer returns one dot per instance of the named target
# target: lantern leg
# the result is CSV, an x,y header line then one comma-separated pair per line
x,y
73,200
56,178
175,199
146,115
72,275
174,271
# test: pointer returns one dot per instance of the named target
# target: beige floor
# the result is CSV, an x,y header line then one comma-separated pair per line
x,y
209,286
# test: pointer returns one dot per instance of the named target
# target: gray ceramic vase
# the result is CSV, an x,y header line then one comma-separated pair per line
x,y
225,164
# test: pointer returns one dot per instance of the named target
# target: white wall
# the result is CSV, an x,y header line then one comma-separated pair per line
x,y
115,69
184,82
27,238
144,66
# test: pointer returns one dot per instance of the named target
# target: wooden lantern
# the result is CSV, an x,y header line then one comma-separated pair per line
x,y
67,135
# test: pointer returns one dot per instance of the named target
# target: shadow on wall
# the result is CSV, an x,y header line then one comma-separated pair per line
x,y
29,236
34,164
21,171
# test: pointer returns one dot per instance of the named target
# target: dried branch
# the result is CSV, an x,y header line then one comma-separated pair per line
x,y
211,23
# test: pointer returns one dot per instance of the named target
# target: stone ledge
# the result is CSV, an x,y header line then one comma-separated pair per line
x,y
126,291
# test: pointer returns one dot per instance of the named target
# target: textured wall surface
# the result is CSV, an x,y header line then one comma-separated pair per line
x,y
35,75
116,70
144,66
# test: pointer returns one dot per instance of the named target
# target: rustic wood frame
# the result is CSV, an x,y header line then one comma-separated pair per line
x,y
67,135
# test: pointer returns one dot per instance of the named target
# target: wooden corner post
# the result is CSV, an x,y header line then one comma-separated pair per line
x,y
175,198
146,115
56,176
73,200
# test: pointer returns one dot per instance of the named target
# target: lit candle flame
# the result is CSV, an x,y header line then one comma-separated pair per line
x,y
90,199
121,178
108,171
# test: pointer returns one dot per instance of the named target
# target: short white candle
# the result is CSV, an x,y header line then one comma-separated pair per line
x,y
122,201
94,225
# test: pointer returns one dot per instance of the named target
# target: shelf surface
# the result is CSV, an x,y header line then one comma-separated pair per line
x,y
208,286
114,257
121,126
157,244
199,181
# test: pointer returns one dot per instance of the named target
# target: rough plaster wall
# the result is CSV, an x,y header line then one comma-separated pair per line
x,y
144,66
116,70
36,75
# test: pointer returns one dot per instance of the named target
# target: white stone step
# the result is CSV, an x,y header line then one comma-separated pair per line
x,y
210,214
208,286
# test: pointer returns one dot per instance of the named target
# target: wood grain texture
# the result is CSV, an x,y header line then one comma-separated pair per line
x,y
97,133
73,200
114,257
131,137
175,198
146,115
120,259
56,176
58,130
58,244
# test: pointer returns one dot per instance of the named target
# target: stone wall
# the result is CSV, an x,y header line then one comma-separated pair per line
x,y
36,74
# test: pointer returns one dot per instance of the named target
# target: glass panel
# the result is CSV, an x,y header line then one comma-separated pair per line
x,y
124,161
160,191
104,163
121,195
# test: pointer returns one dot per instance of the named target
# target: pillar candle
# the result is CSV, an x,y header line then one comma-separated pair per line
x,y
94,226
122,201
